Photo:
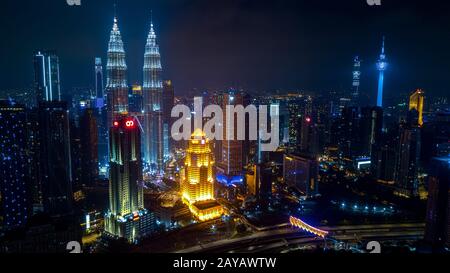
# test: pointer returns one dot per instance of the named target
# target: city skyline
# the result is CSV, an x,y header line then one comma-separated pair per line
x,y
279,33
234,126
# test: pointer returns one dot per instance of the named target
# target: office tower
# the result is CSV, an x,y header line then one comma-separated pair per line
x,y
89,147
301,173
168,104
126,218
34,145
356,80
406,178
75,154
230,169
217,99
101,117
116,82
259,181
55,162
46,76
358,130
383,162
349,139
381,67
197,180
295,121
435,137
371,128
437,230
416,102
15,200
308,136
99,85
136,99
153,112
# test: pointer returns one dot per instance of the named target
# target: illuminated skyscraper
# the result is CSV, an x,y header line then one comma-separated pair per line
x,y
116,85
406,179
46,76
15,204
153,112
416,102
99,86
230,169
381,67
437,230
168,104
127,217
55,159
301,172
197,180
356,79
89,147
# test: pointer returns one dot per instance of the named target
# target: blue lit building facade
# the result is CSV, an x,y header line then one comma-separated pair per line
x,y
381,67
14,193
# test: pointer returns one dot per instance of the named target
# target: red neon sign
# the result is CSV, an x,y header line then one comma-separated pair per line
x,y
129,123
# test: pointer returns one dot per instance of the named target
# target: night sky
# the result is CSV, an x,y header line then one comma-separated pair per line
x,y
259,45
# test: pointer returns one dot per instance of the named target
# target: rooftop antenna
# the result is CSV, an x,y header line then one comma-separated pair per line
x,y
115,8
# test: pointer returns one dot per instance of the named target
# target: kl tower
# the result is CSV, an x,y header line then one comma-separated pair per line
x,y
381,67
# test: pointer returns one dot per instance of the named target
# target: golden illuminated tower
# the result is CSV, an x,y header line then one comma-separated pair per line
x,y
416,102
197,182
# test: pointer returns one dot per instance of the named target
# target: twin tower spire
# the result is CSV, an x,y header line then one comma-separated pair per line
x,y
117,92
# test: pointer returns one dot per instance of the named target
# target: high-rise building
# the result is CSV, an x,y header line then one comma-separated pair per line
x,y
99,85
46,76
259,181
435,137
153,108
301,173
116,83
308,136
216,99
359,129
356,80
197,179
136,99
416,102
55,158
437,230
406,178
99,95
15,200
127,218
89,147
168,104
230,169
381,67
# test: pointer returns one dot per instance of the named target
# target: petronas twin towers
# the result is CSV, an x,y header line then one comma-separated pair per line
x,y
117,92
